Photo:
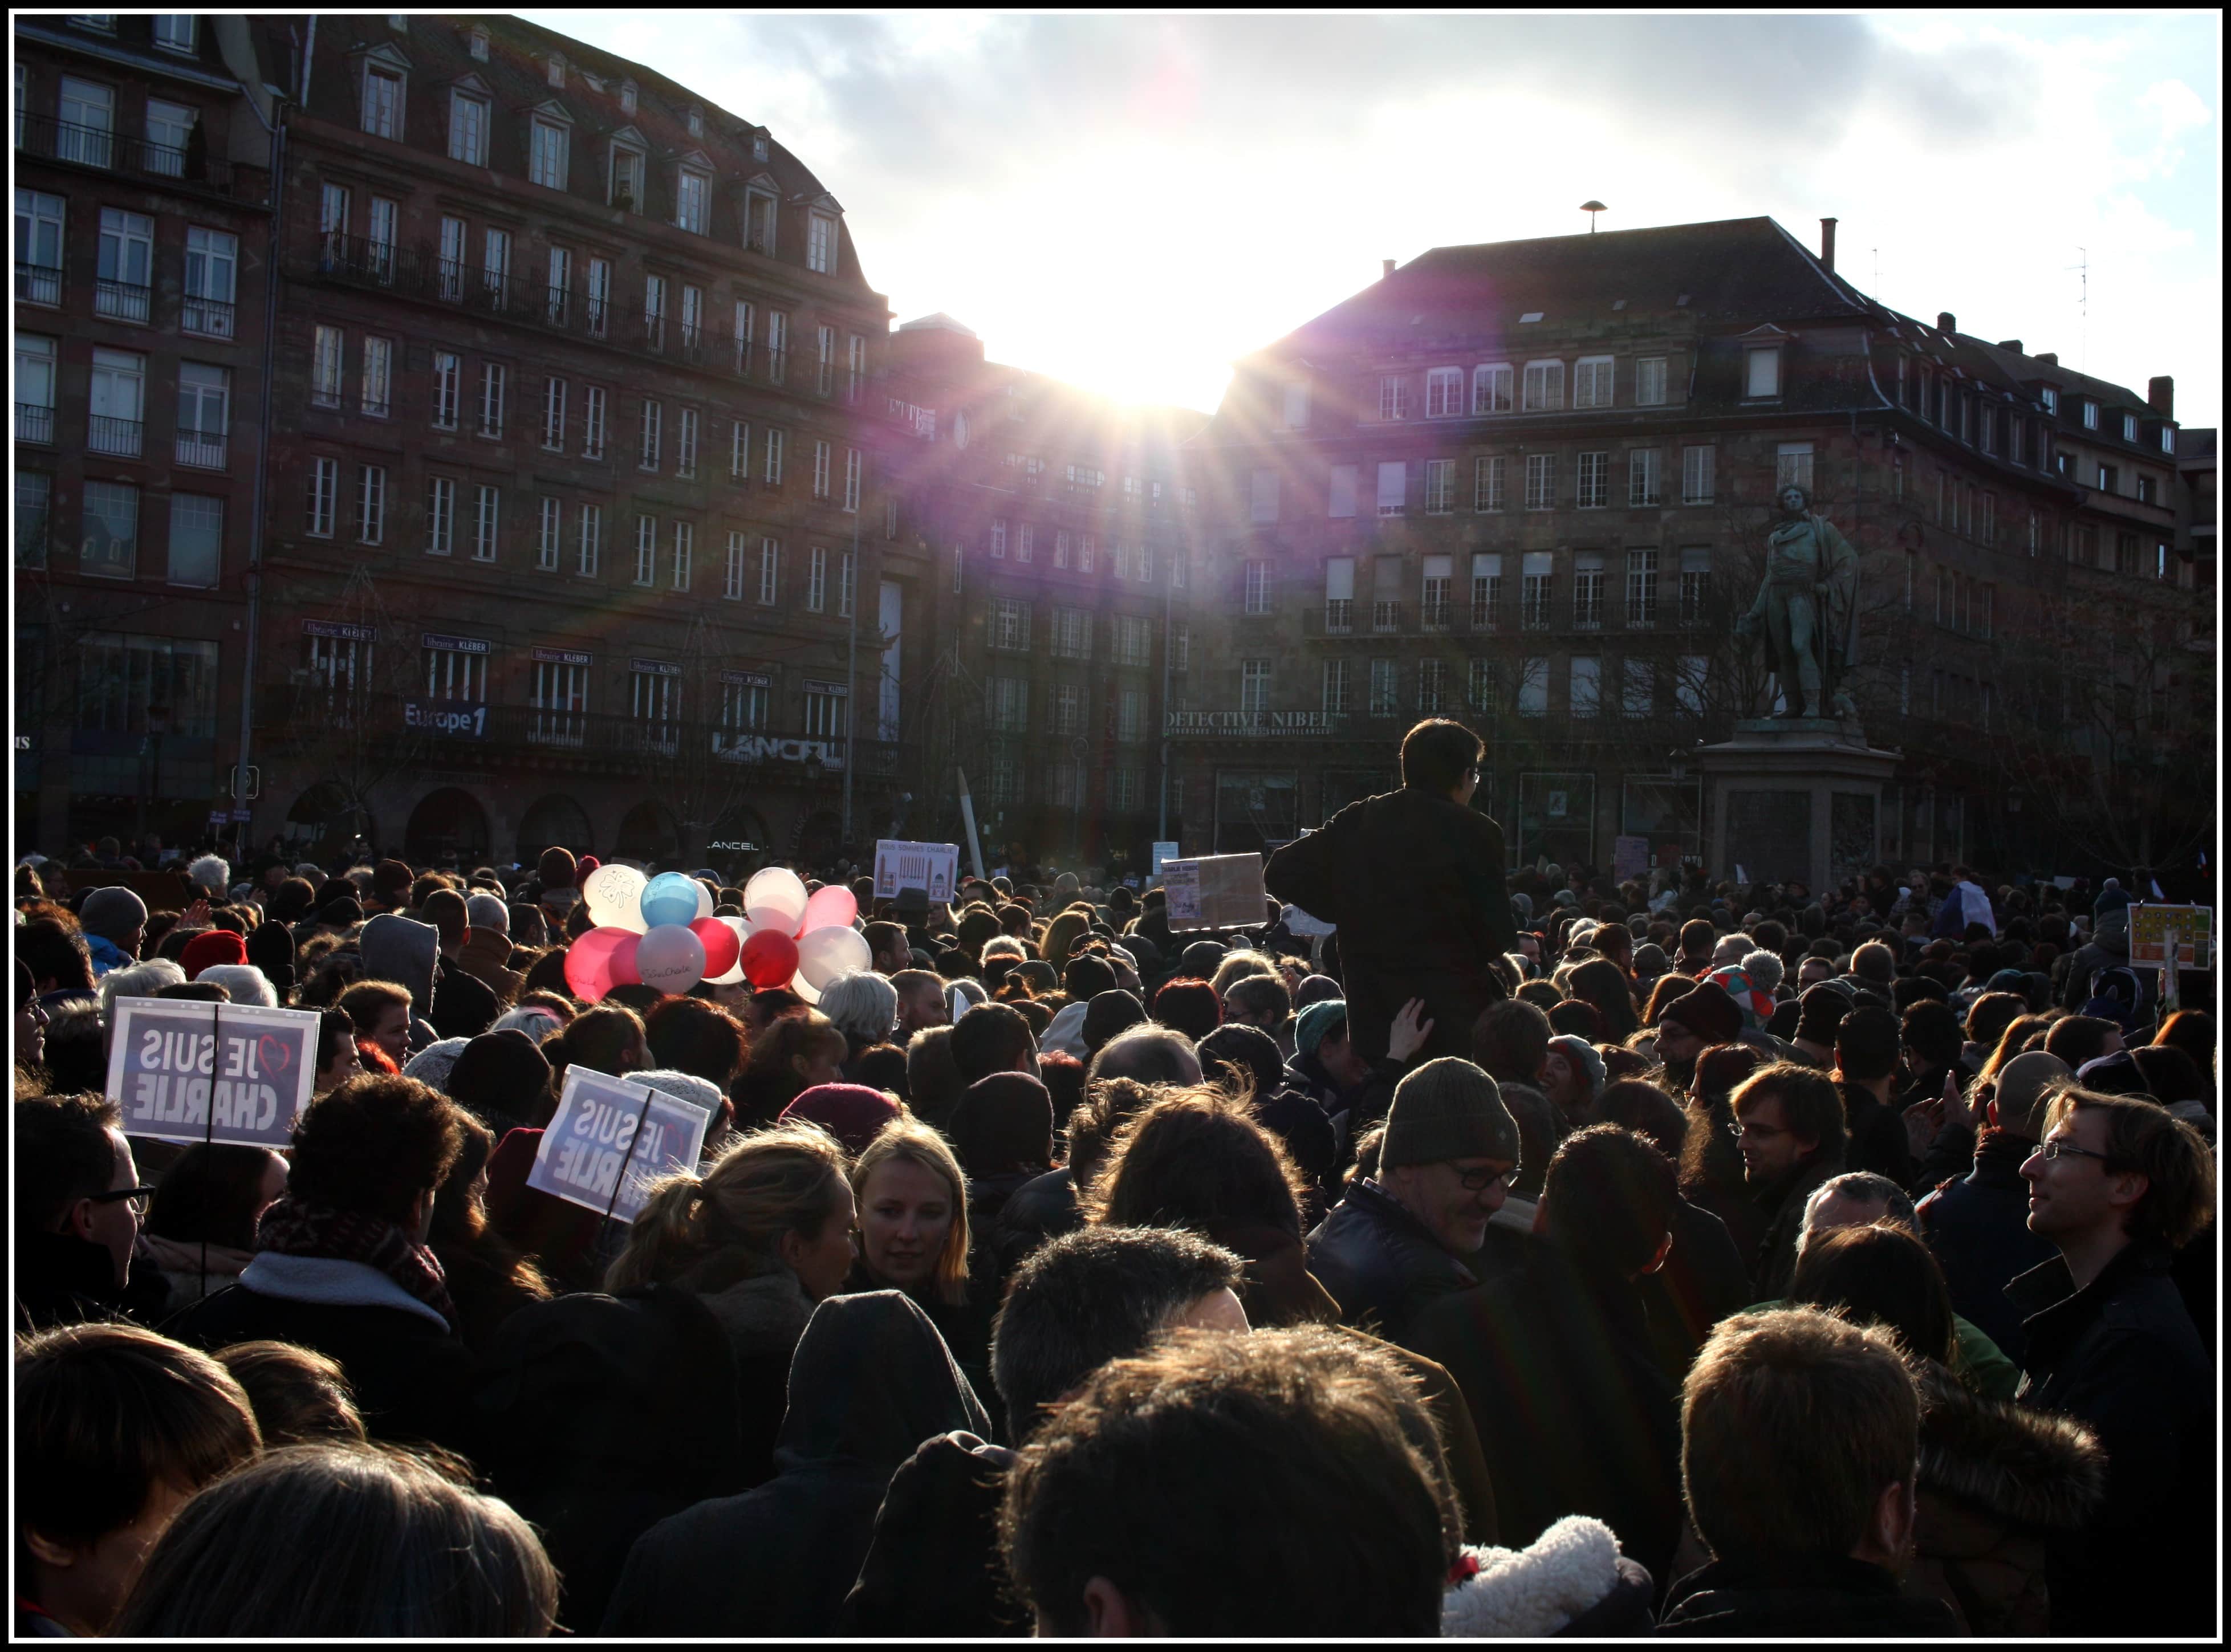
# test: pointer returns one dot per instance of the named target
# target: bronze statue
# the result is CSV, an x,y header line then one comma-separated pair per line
x,y
1809,606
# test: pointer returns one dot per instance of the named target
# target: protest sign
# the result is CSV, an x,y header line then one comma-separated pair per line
x,y
185,1070
609,1140
1630,857
1214,892
1302,924
1164,853
918,866
2194,927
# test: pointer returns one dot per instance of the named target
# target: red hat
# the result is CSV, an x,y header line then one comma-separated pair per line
x,y
851,1112
212,946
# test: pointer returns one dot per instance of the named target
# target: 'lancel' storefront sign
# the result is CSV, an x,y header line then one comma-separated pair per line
x,y
1178,725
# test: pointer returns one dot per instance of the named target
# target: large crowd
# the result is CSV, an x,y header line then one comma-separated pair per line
x,y
1534,1253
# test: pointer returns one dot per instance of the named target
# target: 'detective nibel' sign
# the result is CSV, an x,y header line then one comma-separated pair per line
x,y
1253,722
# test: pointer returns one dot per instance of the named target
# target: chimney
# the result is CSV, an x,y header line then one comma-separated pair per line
x,y
1386,267
2049,359
2015,345
2161,396
1946,323
1828,245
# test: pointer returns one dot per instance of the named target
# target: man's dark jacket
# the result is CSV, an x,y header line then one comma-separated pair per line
x,y
1414,884
2121,1356
1776,1262
1575,1414
1875,1136
1833,1596
1380,1263
1978,1228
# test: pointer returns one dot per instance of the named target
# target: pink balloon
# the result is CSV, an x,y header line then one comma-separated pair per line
x,y
832,903
588,963
622,963
722,945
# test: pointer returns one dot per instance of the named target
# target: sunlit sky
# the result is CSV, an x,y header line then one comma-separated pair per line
x,y
1133,203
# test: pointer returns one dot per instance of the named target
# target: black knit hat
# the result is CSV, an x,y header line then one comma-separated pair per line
x,y
1109,1013
501,1078
1821,1009
1706,1011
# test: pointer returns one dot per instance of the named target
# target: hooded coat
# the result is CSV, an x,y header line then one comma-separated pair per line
x,y
933,1565
871,1381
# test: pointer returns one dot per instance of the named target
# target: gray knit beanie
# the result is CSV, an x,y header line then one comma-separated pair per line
x,y
1447,1109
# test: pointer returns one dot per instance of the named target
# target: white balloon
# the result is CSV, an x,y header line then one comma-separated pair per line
x,y
670,958
824,954
805,989
775,899
704,899
615,896
735,971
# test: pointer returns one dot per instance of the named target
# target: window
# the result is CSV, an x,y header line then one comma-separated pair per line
x,y
997,543
558,291
1793,467
1262,496
1535,571
326,351
2169,439
1638,688
379,376
34,497
771,471
1433,594
820,469
175,31
1641,588
685,554
553,69
383,102
1297,407
1393,485
2147,487
770,572
477,43
2110,479
778,346
1007,704
38,247
1541,481
1340,491
1084,543
1587,590
484,523
1762,371
654,422
654,311
655,693
549,529
325,493
1134,642
1440,486
1479,684
1072,634
1430,676
1592,382
691,190
1643,487
1022,542
1182,648
821,244
204,414
856,374
2091,415
1445,394
759,221
125,271
1254,684
1487,482
35,361
1393,397
1545,386
120,678
441,515
1696,582
1689,683
824,357
87,114
553,414
1696,475
1592,481
739,451
1490,388
1584,686
1336,686
559,697
593,422
450,271
623,184
1011,624
1650,381
1486,590
1255,587
449,389
853,471
600,296
111,547
169,127
1534,688
468,123
685,458
494,376
592,541
1990,518
646,550
817,579
118,414
548,151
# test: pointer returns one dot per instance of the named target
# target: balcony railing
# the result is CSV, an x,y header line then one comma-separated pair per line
x,y
34,421
1386,617
44,138
203,450
211,318
122,301
1339,615
38,283
1433,614
121,437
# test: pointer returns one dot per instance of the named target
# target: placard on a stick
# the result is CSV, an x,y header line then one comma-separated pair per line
x,y
2194,927
901,865
1214,892
184,1070
610,1140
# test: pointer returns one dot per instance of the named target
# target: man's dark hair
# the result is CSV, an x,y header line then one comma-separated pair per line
x,y
444,908
51,951
374,1146
991,1038
1257,995
1868,1045
2075,1039
1879,1274
690,1036
1990,1015
910,981
63,1154
1699,937
1610,1198
1509,1041
1273,1483
1648,1111
884,937
1090,1296
1437,753
1811,1107
1193,1158
1875,961
1933,1031
1087,977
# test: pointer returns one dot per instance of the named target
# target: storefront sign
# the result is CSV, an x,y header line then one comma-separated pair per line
x,y
463,719
346,633
445,644
771,748
565,656
655,668
1202,723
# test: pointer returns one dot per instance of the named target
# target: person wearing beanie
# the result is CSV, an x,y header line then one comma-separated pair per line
x,y
244,983
1247,1059
556,868
1754,1005
434,1064
486,954
1396,1242
851,1112
271,949
211,947
1650,963
1109,1013
1690,1025
502,1079
113,920
340,909
1573,1076
1820,1010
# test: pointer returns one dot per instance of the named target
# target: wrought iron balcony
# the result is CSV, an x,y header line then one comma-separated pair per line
x,y
34,421
122,437
211,318
44,138
203,450
122,301
38,283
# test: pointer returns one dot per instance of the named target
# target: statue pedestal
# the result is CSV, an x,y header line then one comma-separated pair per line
x,y
1795,797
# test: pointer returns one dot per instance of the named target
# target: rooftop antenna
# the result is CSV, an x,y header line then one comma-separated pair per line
x,y
1592,208
1877,251
2083,266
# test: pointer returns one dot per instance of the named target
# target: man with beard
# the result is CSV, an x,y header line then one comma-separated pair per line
x,y
1699,1019
1789,1126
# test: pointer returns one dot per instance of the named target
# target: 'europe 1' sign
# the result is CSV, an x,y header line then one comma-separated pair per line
x,y
609,1140
188,1071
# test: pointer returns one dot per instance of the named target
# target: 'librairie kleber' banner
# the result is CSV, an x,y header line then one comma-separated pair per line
x,y
184,1070
610,1140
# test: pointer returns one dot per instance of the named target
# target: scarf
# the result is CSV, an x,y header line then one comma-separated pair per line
x,y
293,1228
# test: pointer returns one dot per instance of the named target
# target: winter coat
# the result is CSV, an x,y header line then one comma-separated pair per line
x,y
2121,1356
1831,1596
486,956
1573,1410
193,1270
1875,1136
1702,1282
1775,1263
1571,1580
463,1005
1380,1263
63,1280
1414,882
1995,1480
933,1565
1041,1208
872,1381
966,1325
1978,1228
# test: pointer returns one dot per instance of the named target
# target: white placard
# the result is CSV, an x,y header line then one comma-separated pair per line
x,y
1164,853
1303,924
609,1140
187,1070
901,865
1214,892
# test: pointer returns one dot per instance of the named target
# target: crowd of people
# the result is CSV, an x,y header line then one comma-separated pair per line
x,y
1528,1255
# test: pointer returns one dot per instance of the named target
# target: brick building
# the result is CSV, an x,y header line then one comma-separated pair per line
x,y
565,524
1062,525
143,228
1528,483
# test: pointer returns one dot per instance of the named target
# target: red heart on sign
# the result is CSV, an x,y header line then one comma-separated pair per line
x,y
274,1052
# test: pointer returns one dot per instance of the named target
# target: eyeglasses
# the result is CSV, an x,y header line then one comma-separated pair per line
x,y
2053,1150
1479,1181
1738,1129
139,1197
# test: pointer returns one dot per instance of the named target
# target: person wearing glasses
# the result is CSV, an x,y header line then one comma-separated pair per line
x,y
78,1209
1396,1242
1789,1128
2119,1186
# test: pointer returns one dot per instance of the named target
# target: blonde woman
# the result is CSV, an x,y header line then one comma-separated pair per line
x,y
912,1201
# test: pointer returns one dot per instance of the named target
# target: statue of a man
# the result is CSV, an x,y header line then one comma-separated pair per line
x,y
1808,607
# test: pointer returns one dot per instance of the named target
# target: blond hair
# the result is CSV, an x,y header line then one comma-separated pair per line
x,y
909,1141
727,1223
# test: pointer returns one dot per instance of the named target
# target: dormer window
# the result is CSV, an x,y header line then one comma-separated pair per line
x,y
174,31
627,97
625,183
759,146
2090,416
477,43
383,90
692,188
2129,426
696,121
821,242
2051,399
759,220
548,148
468,128
1762,372
554,67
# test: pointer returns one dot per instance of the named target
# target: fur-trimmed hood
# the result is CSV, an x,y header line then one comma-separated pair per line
x,y
2031,1469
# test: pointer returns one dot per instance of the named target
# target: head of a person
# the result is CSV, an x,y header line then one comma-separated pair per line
x,y
338,1061
1601,982
2119,1165
444,908
1274,1483
1609,1199
692,1035
2078,1039
1932,1031
1769,1488
912,1204
921,1000
1257,1000
211,875
1194,1158
993,1038
213,1193
934,1083
863,1005
777,1197
1638,1105
1441,757
1102,1293
1148,1054
1189,1005
804,1049
1003,1126
1878,1273
1695,1022
299,1395
379,1146
1787,1116
335,1540
1853,1200
1510,1042
117,915
1868,1044
116,1429
75,1174
1450,1150
380,1012
1086,975
2192,1031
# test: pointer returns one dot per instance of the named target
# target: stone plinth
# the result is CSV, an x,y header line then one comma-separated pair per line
x,y
1795,797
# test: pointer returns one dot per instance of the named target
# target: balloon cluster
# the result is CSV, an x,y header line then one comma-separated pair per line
x,y
663,933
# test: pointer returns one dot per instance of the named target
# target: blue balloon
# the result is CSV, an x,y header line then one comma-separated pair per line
x,y
669,898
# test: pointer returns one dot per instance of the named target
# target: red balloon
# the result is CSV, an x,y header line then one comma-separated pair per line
x,y
588,963
720,945
622,963
770,957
